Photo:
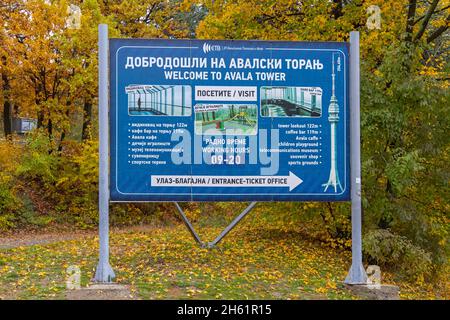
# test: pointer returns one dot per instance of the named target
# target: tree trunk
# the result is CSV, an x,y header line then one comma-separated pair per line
x,y
7,116
337,9
63,134
60,146
50,128
40,112
87,120
410,20
7,119
40,118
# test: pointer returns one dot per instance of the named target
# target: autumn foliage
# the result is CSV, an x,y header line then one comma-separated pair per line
x,y
49,72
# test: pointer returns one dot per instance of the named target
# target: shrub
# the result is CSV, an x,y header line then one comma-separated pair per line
x,y
38,161
9,202
385,248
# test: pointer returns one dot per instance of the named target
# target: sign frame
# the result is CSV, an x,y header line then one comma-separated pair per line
x,y
123,188
104,272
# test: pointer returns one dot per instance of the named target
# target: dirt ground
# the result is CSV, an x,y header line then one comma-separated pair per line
x,y
101,292
93,291
31,238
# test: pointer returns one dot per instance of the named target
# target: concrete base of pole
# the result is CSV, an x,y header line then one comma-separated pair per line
x,y
356,276
375,292
100,292
104,273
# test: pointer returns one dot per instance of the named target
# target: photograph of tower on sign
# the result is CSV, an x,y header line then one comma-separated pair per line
x,y
333,118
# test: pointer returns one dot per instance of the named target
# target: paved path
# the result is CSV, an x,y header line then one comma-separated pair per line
x,y
22,239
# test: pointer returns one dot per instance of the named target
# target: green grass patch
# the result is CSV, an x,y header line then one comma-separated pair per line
x,y
256,261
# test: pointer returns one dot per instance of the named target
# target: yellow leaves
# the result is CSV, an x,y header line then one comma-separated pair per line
x,y
272,275
378,73
320,21
442,21
186,5
9,155
331,285
310,205
429,71
193,291
61,181
320,290
257,261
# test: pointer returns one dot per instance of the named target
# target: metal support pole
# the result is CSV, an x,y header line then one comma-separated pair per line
x,y
232,225
357,274
188,224
104,272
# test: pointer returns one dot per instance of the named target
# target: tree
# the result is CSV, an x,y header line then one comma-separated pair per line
x,y
9,37
404,91
79,55
153,19
36,56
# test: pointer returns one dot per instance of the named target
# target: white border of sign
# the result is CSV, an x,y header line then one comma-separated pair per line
x,y
232,194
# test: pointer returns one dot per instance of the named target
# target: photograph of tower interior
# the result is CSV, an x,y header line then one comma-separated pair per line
x,y
233,119
291,102
159,100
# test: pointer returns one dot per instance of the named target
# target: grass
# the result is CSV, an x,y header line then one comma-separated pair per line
x,y
256,261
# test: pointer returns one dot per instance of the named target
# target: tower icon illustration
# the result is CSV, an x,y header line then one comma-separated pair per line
x,y
333,118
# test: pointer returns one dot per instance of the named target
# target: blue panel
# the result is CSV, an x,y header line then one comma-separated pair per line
x,y
194,120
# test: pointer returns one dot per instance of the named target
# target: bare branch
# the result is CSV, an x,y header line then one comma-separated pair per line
x,y
426,20
437,11
439,31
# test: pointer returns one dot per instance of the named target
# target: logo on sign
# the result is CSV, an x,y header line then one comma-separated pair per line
x,y
207,47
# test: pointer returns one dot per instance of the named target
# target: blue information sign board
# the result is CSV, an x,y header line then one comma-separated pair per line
x,y
206,120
